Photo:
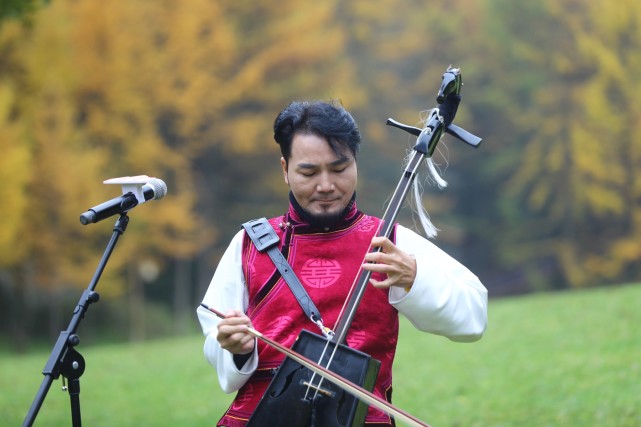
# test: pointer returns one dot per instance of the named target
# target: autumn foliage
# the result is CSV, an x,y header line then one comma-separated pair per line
x,y
187,91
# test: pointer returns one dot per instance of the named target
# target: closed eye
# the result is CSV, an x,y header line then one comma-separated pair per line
x,y
307,170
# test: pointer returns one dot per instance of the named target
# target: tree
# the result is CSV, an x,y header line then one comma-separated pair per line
x,y
150,88
574,184
75,123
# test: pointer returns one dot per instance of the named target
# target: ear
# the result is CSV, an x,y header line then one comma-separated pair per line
x,y
283,164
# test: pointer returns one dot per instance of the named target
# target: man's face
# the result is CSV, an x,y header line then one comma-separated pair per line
x,y
322,182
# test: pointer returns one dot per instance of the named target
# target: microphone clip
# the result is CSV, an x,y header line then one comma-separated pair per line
x,y
131,184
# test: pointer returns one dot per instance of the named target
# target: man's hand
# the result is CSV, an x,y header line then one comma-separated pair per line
x,y
399,266
233,335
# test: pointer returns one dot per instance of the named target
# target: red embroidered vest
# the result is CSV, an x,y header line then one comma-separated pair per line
x,y
327,263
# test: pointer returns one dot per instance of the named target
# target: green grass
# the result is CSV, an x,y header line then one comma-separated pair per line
x,y
566,359
563,359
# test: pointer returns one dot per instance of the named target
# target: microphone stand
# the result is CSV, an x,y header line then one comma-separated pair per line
x,y
64,358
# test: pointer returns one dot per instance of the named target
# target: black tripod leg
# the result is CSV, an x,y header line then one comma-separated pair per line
x,y
72,369
74,397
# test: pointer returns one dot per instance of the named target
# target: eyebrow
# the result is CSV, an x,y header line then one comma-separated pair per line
x,y
338,162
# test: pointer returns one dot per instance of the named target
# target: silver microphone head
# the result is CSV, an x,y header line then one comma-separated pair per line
x,y
159,187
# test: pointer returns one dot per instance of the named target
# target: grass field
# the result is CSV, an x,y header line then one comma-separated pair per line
x,y
562,359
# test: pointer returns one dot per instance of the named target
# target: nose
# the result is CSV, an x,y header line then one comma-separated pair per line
x,y
325,183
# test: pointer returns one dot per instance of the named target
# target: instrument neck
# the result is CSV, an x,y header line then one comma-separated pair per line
x,y
387,225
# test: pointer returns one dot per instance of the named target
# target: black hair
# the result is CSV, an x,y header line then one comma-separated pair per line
x,y
329,121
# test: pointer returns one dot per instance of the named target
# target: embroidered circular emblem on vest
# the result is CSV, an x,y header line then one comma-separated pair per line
x,y
320,273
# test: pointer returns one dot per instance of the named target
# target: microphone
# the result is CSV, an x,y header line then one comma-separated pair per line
x,y
136,190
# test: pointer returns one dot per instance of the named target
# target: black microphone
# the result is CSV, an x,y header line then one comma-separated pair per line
x,y
154,189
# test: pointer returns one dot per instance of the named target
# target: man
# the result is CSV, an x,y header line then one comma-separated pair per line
x,y
326,241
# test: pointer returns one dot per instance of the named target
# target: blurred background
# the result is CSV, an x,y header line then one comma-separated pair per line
x,y
188,91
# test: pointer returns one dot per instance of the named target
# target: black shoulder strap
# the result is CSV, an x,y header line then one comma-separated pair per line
x,y
265,238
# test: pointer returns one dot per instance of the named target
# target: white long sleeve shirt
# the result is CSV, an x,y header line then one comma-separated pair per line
x,y
446,299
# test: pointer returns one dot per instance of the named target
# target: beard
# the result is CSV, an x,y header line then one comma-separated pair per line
x,y
325,219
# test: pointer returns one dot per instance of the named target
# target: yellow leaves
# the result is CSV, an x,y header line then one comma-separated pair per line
x,y
571,263
249,133
627,250
603,200
614,18
620,253
539,195
591,153
14,176
302,18
562,64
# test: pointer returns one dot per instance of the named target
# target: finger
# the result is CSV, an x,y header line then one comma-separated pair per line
x,y
383,243
233,314
377,241
235,321
377,268
380,284
234,327
229,337
235,341
239,338
246,340
244,344
379,257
